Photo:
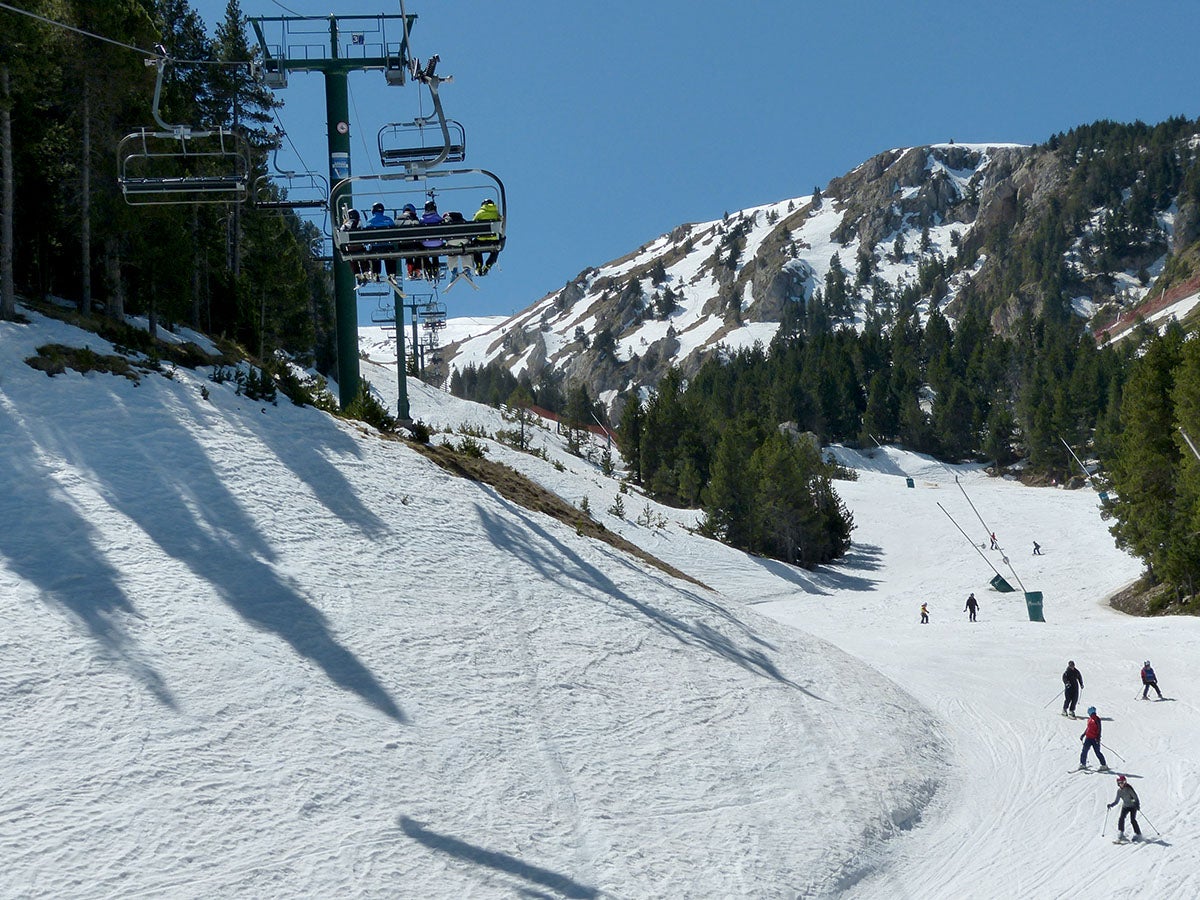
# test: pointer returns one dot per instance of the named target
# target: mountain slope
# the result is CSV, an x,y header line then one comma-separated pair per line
x,y
253,650
1096,221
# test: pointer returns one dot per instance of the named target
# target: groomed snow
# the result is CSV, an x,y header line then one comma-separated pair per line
x,y
250,650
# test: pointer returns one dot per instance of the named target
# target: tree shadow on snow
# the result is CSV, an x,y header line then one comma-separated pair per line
x,y
494,859
49,544
308,463
831,577
177,499
567,568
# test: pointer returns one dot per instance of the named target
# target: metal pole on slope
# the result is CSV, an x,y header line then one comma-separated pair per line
x,y
1003,556
969,541
1082,467
973,509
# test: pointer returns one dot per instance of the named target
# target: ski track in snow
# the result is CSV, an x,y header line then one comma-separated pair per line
x,y
251,651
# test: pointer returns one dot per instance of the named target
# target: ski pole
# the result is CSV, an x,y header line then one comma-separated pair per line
x,y
1052,699
1112,751
1104,828
1151,824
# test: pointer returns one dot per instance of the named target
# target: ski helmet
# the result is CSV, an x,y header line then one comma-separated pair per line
x,y
1146,663
1120,779
1091,710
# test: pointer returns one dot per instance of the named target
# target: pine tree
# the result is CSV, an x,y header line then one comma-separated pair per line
x,y
630,436
729,496
1145,469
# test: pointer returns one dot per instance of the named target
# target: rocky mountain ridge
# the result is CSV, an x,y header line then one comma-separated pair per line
x,y
917,226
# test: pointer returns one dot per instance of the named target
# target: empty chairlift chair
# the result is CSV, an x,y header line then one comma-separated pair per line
x,y
181,164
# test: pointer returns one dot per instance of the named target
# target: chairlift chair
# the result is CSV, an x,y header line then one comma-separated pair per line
x,y
452,189
288,189
422,141
321,248
432,315
157,167
181,164
427,141
384,313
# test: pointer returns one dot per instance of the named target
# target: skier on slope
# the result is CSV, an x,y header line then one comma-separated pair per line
x,y
1149,680
972,606
1130,804
924,613
1073,681
1091,741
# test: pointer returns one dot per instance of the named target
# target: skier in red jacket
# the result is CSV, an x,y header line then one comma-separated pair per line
x,y
1091,741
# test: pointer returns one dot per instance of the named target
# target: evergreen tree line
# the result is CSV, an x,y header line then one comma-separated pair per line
x,y
1153,470
494,384
231,270
965,393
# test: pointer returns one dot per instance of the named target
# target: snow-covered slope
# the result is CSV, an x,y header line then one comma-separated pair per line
x,y
250,650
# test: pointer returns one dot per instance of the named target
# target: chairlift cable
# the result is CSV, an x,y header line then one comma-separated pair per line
x,y
98,37
286,10
291,143
358,126
157,53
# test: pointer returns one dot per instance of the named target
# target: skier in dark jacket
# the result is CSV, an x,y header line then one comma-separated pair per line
x,y
1130,804
1149,680
972,606
380,219
1073,680
1091,741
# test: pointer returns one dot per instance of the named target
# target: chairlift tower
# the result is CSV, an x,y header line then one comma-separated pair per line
x,y
335,46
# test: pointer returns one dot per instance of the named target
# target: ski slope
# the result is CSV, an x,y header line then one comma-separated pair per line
x,y
253,651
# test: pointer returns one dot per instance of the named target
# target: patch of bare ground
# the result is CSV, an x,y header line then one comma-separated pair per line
x,y
1142,598
514,486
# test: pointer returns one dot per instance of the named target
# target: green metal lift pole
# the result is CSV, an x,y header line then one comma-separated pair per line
x,y
337,106
416,363
392,60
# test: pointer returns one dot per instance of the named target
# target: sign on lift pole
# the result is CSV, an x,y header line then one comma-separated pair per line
x,y
370,33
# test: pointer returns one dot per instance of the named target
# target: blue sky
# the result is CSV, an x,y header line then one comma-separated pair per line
x,y
613,123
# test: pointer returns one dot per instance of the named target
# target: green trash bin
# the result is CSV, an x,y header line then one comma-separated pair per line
x,y
909,482
1001,585
1033,602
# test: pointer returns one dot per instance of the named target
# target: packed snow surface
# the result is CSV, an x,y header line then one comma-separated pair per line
x,y
250,650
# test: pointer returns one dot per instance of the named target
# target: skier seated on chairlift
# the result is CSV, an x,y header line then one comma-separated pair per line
x,y
459,263
353,222
412,264
487,213
380,219
430,263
